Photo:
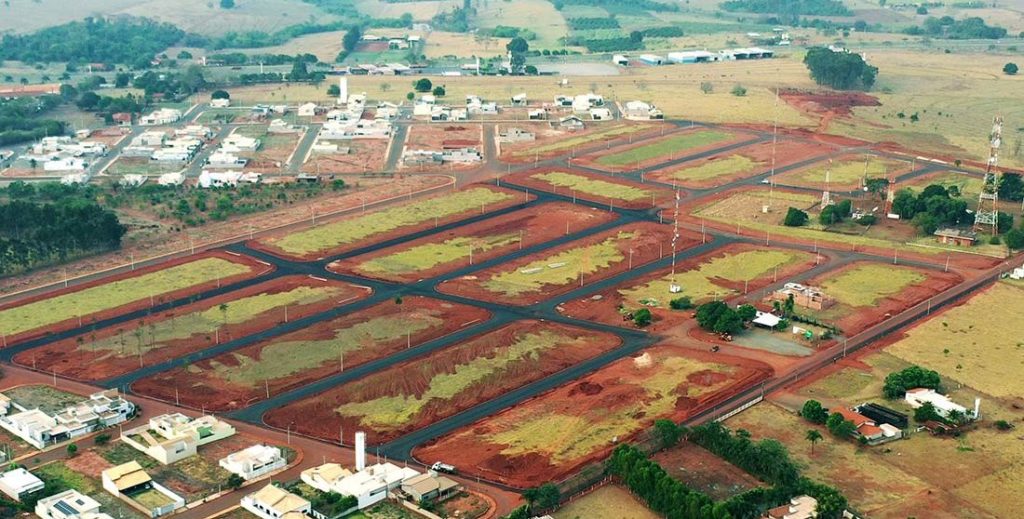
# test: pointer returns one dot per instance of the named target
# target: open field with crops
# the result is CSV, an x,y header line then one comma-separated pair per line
x,y
237,378
334,237
431,256
549,436
122,293
411,395
117,350
634,156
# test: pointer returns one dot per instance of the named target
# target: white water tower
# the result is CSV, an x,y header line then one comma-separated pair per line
x,y
360,451
342,90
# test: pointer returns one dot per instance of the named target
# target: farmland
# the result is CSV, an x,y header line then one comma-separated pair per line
x,y
335,237
410,395
135,290
434,255
552,272
552,435
237,378
116,350
614,192
845,172
631,156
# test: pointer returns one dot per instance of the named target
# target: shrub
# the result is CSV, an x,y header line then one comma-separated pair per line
x,y
1010,69
642,317
739,90
681,303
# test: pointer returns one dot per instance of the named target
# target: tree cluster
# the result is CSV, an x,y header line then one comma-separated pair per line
x,y
795,218
661,492
517,48
932,208
257,39
972,28
840,427
839,70
20,119
589,23
897,383
621,5
813,412
719,317
790,8
131,41
623,43
456,20
835,213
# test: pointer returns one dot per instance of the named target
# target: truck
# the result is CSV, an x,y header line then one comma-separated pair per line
x,y
442,467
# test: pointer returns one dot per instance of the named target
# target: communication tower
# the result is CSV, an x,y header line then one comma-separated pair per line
x,y
986,218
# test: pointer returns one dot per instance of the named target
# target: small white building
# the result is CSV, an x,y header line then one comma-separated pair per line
x,y
271,502
372,484
428,487
621,60
70,504
220,103
235,143
65,164
514,134
943,405
308,110
324,477
195,131
171,155
570,123
520,99
254,462
132,180
102,409
641,111
149,139
19,483
584,102
600,114
169,438
129,481
160,117
800,507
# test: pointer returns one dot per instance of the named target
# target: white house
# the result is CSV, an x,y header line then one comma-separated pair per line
x,y
171,179
194,130
170,155
800,507
235,143
307,109
254,462
150,139
621,60
130,482
584,102
943,405
641,111
102,409
271,502
428,487
600,114
520,99
324,477
220,103
173,437
19,483
372,484
70,504
160,117
65,164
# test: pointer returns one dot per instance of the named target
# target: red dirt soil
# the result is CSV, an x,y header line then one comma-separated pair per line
x,y
828,105
605,310
256,268
316,416
612,389
662,197
75,361
522,153
210,390
267,244
704,471
646,246
860,318
591,160
787,152
539,224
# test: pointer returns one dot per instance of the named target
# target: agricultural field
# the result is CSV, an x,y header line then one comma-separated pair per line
x,y
845,172
237,378
607,502
435,255
549,436
865,292
114,351
648,153
555,271
351,232
441,44
703,471
408,396
729,271
101,299
552,142
731,166
544,20
595,188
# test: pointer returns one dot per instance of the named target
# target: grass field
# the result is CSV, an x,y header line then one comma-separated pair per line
x,y
719,167
977,343
440,44
325,237
535,275
699,284
117,293
866,284
429,255
677,144
46,398
969,187
846,172
592,186
542,17
562,145
607,502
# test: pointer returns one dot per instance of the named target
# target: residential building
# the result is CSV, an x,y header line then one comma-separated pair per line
x,y
806,296
466,155
19,483
271,502
538,114
570,123
386,111
372,484
171,155
600,114
65,164
520,99
132,180
150,139
131,483
70,504
881,414
280,126
641,111
160,117
867,428
621,60
195,131
584,102
254,462
309,110
324,477
208,179
122,118
173,437
800,507
171,179
52,143
220,103
429,487
943,405
958,237
235,143
102,409
516,135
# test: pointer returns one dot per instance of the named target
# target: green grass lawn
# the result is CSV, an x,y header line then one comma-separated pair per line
x,y
159,334
849,172
866,284
699,284
719,167
559,269
117,293
325,237
592,186
429,255
676,143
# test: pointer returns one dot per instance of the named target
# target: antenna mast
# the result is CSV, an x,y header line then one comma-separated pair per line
x,y
673,287
986,218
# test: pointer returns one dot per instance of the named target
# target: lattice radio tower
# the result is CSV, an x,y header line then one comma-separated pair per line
x,y
986,218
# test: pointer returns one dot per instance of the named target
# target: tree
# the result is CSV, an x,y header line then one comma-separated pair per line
x,y
531,70
830,215
72,450
227,4
438,91
739,90
183,55
642,317
681,303
877,186
543,497
812,436
102,439
746,312
927,413
1011,187
839,70
813,411
667,433
729,322
410,96
220,94
1014,239
88,101
1010,69
517,49
235,481
795,218
422,85
334,91
839,426
636,36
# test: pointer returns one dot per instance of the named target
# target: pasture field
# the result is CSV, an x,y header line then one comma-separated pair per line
x,y
607,502
551,272
413,394
162,281
114,351
845,173
237,378
440,44
657,150
435,255
553,434
335,236
543,18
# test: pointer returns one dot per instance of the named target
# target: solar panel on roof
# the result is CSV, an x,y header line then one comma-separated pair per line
x,y
65,508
